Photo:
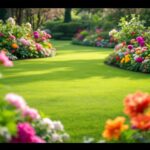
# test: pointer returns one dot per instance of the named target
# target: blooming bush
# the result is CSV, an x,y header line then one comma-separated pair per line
x,y
137,107
20,123
135,129
22,42
133,53
97,38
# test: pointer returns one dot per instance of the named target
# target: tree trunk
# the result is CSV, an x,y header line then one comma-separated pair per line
x,y
67,15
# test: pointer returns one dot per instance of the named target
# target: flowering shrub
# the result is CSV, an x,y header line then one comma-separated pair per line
x,y
97,38
22,42
133,53
20,123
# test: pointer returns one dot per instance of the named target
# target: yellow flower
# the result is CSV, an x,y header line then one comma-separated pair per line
x,y
127,59
122,60
113,128
138,52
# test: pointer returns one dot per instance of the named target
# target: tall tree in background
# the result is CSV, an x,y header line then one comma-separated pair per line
x,y
67,15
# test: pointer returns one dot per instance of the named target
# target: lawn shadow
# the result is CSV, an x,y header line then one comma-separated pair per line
x,y
33,71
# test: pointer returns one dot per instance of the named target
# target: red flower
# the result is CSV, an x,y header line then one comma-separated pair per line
x,y
117,58
141,122
136,104
133,33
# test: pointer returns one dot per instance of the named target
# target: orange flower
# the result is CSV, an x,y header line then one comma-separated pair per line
x,y
132,41
136,103
141,122
113,128
15,46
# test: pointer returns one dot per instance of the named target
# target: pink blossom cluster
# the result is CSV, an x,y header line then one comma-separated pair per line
x,y
38,47
24,42
26,134
19,103
4,60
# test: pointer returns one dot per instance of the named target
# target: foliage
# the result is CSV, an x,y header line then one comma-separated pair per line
x,y
130,29
60,30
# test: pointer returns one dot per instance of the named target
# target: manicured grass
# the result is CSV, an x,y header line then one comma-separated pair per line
x,y
75,87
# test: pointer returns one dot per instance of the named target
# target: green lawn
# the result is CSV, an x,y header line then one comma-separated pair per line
x,y
75,87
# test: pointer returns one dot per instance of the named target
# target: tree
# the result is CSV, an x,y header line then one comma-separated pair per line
x,y
67,15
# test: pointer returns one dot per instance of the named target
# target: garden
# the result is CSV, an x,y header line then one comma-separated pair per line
x,y
67,80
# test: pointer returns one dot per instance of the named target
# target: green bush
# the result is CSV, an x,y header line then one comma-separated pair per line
x,y
60,30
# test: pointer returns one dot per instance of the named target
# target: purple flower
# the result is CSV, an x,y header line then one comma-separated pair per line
x,y
36,35
139,39
142,43
1,34
38,47
130,47
26,134
139,59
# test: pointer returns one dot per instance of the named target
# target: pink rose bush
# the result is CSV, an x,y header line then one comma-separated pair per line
x,y
21,42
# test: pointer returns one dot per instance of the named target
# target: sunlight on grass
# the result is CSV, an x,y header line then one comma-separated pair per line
x,y
75,87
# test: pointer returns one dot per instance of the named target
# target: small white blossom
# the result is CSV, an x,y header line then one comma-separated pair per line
x,y
28,25
5,133
11,21
112,32
56,137
48,123
58,126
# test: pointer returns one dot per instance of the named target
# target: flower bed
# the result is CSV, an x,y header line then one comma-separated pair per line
x,y
21,42
133,52
97,38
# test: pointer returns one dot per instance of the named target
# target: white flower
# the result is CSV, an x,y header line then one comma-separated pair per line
x,y
28,25
146,60
48,123
56,137
58,126
88,140
112,32
11,21
5,133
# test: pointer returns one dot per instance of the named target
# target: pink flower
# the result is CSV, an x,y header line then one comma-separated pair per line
x,y
36,139
4,60
36,35
26,134
126,53
139,59
31,113
43,38
48,36
132,51
12,37
24,42
38,47
15,100
144,49
1,34
130,47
